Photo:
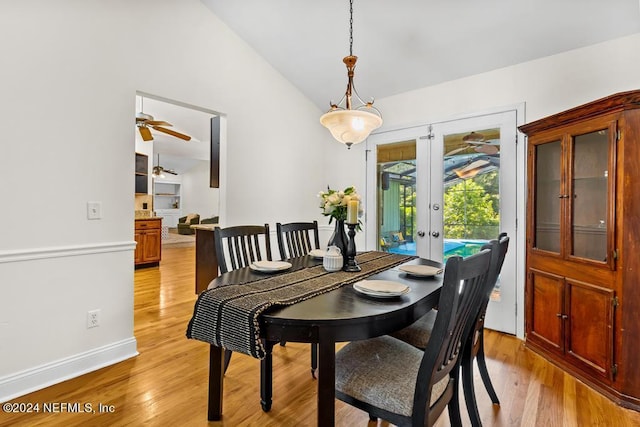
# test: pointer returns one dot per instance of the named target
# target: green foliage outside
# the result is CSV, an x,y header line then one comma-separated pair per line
x,y
471,208
408,210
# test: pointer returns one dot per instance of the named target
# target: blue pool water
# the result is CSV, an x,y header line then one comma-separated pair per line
x,y
451,247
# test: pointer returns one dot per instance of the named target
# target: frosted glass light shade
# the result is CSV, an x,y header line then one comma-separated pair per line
x,y
350,126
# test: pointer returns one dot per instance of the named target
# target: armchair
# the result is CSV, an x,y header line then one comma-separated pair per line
x,y
212,220
185,223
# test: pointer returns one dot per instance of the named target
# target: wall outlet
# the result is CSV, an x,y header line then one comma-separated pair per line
x,y
93,318
94,210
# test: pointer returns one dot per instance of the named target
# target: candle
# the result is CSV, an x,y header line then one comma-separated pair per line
x,y
352,212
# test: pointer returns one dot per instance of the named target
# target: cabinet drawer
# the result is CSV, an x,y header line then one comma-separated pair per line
x,y
148,224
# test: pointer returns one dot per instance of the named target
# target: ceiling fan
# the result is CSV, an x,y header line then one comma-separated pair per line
x,y
478,143
145,122
158,171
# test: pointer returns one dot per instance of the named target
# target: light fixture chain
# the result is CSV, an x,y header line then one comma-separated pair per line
x,y
351,27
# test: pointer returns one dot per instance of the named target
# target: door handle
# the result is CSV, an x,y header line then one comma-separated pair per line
x,y
421,233
435,234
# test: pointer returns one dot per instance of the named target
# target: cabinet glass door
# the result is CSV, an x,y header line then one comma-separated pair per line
x,y
548,196
589,195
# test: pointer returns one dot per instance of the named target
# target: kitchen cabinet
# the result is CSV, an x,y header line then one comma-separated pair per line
x,y
148,236
583,240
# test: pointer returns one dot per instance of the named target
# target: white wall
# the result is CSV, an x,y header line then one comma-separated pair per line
x,y
197,196
69,75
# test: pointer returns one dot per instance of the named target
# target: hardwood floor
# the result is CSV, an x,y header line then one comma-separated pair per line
x,y
166,385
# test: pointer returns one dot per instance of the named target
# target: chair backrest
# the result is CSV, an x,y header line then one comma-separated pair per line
x,y
463,282
239,246
294,239
498,253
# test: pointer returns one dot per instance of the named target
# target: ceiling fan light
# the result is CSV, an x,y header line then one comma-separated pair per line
x,y
351,126
143,116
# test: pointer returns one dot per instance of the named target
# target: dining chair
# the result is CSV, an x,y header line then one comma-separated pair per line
x,y
237,247
295,240
418,333
395,381
474,347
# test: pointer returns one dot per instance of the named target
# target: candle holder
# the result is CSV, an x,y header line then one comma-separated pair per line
x,y
351,264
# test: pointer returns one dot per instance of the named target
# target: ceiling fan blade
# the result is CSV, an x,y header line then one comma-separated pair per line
x,y
487,149
145,133
158,123
457,150
172,133
171,171
473,137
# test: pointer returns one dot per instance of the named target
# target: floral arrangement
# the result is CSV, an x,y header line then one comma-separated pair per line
x,y
334,203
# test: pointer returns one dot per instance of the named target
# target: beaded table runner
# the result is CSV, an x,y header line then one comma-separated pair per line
x,y
227,316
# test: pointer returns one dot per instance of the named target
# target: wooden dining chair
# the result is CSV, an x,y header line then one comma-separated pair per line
x,y
295,240
239,246
474,347
418,333
395,381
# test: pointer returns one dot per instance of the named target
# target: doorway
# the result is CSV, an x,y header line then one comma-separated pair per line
x,y
446,189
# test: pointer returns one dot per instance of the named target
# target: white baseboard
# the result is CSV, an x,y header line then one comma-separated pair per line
x,y
25,382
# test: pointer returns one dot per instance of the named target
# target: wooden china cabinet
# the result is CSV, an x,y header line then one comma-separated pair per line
x,y
583,243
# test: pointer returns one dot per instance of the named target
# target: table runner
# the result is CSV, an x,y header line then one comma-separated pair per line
x,y
227,316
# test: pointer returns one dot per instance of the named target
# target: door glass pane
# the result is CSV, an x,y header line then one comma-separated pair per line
x,y
471,214
589,184
396,197
547,200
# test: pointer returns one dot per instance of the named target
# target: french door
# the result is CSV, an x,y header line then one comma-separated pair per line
x,y
446,189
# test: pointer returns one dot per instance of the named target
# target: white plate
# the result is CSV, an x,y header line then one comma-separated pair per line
x,y
317,253
381,288
421,270
269,266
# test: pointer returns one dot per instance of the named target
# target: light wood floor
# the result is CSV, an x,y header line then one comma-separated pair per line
x,y
166,385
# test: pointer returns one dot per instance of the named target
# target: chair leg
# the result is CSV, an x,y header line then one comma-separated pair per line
x,y
314,360
266,378
283,343
454,408
484,373
469,391
227,359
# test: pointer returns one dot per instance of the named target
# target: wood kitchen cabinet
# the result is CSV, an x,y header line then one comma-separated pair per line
x,y
583,241
148,235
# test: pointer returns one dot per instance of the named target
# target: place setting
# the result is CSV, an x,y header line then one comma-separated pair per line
x,y
420,271
270,266
381,288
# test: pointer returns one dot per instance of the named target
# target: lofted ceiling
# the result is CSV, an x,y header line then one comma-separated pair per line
x,y
409,44
401,46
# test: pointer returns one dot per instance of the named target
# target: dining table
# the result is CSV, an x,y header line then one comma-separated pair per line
x,y
339,315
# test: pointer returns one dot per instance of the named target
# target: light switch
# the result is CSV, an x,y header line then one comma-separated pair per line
x,y
94,210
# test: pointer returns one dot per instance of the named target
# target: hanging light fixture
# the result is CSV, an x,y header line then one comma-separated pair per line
x,y
349,123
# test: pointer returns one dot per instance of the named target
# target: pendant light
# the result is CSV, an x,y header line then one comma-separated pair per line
x,y
349,123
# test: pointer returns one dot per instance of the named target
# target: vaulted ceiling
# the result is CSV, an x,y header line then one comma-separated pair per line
x,y
408,44
401,45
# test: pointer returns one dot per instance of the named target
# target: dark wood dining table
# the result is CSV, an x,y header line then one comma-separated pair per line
x,y
340,315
